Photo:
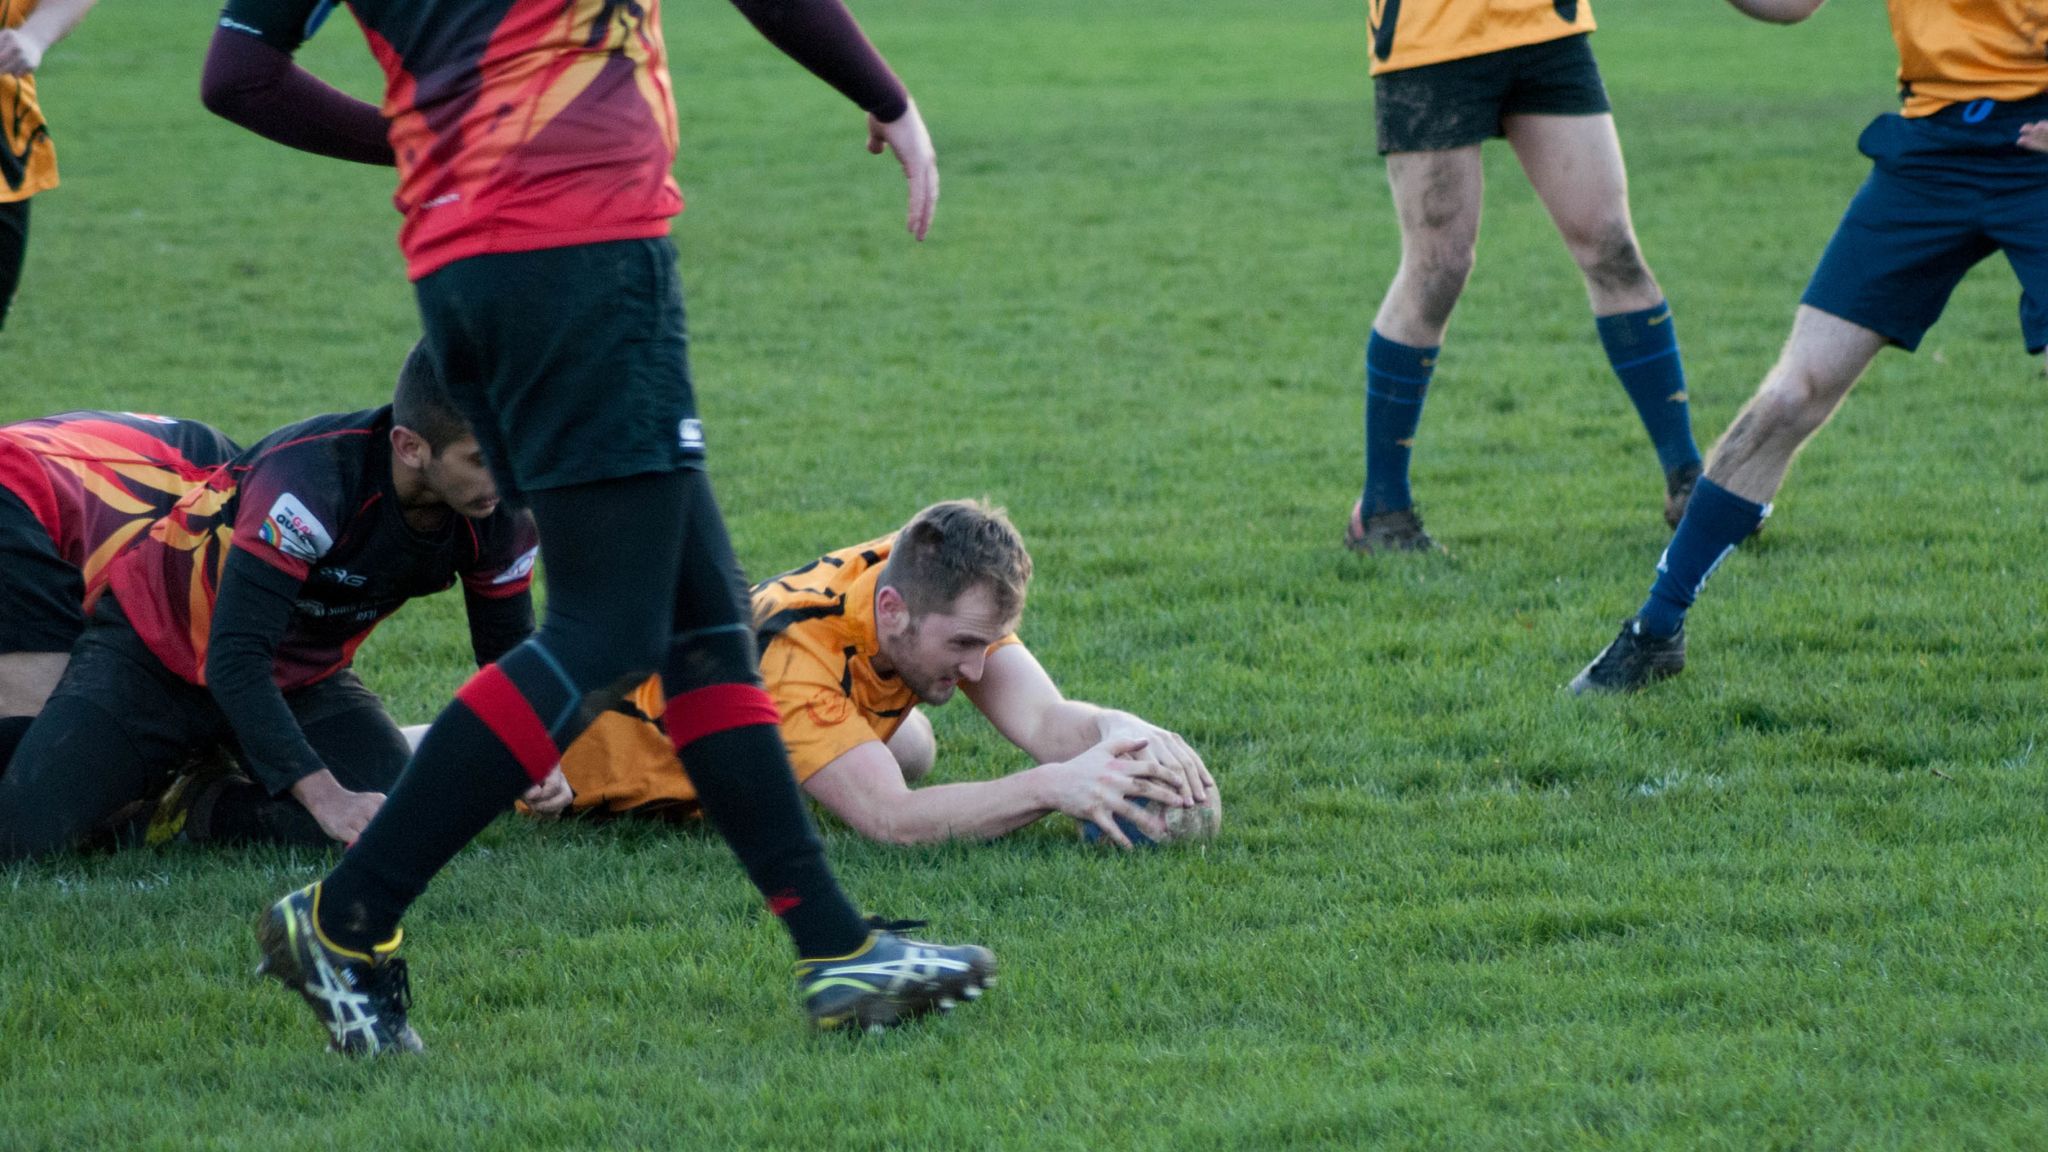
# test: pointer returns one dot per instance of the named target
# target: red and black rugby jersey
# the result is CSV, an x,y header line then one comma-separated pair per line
x,y
96,480
313,500
518,124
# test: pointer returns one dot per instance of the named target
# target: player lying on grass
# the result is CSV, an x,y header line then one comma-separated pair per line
x,y
851,645
73,489
1449,75
1953,181
237,615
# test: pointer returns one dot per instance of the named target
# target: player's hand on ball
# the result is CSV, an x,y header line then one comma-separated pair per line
x,y
1167,748
1105,783
2034,136
550,797
907,138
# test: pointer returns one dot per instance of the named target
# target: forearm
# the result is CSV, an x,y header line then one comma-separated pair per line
x,y
53,20
251,615
257,86
1065,730
974,810
1778,11
277,752
823,36
496,626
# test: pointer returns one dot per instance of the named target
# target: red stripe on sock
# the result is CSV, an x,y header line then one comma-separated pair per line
x,y
496,701
718,708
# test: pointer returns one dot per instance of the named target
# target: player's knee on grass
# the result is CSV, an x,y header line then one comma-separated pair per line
x,y
915,747
75,768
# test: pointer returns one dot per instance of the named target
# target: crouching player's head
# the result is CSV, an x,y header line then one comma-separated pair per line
x,y
953,585
437,460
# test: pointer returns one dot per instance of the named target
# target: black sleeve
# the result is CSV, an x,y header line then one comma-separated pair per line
x,y
250,617
822,36
497,623
250,79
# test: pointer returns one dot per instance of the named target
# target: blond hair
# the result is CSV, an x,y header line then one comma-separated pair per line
x,y
953,546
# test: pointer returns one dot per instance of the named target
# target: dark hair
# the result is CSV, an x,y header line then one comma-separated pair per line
x,y
953,546
422,403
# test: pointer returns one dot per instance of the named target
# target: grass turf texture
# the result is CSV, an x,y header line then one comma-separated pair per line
x,y
1790,900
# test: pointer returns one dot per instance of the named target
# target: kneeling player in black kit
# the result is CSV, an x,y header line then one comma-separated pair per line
x,y
237,614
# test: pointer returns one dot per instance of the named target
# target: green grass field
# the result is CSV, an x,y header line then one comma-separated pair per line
x,y
1791,900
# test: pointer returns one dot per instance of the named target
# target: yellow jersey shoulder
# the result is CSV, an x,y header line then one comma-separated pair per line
x,y
1415,33
1962,50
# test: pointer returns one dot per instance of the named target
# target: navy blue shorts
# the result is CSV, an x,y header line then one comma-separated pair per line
x,y
1945,191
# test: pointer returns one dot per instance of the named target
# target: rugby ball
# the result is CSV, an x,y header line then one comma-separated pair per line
x,y
1195,823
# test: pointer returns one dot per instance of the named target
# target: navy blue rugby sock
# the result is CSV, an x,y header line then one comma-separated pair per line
x,y
1715,522
1643,348
1396,380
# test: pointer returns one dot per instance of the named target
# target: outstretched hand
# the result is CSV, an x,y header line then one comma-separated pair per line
x,y
1099,786
551,797
907,138
1168,749
2034,136
341,813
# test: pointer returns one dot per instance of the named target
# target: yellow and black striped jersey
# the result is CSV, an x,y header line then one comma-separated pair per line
x,y
816,629
1955,51
28,161
1412,33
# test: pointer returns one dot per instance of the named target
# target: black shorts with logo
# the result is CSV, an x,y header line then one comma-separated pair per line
x,y
42,597
571,364
1438,107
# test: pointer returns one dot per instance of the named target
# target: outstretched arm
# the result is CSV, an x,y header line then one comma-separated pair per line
x,y
864,787
21,49
1778,11
250,79
823,36
1024,704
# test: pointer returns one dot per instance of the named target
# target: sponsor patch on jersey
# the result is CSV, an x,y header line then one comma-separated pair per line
x,y
294,531
520,569
692,432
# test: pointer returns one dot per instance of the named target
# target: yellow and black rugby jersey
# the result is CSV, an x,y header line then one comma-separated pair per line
x,y
1955,51
1412,33
28,161
816,629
